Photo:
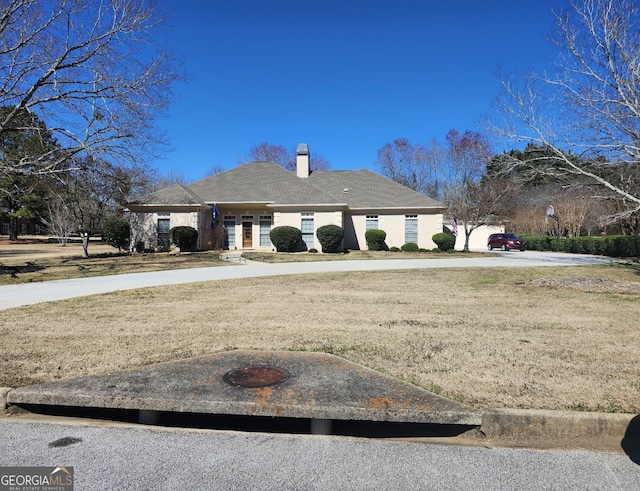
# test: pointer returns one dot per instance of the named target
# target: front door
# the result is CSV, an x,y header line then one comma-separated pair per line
x,y
247,235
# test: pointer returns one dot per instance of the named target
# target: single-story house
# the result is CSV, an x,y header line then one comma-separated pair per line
x,y
249,200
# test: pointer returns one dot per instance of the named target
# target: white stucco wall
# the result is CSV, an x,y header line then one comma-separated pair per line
x,y
478,238
144,226
394,226
143,229
320,219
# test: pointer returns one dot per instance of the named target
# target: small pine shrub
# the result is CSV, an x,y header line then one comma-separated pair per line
x,y
444,241
330,237
185,238
286,238
410,247
116,233
375,239
140,247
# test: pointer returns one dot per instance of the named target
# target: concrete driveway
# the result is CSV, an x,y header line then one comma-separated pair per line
x,y
32,293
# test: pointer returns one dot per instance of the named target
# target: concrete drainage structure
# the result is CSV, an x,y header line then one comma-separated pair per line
x,y
314,393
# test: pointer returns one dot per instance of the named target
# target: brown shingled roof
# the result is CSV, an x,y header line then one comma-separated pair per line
x,y
172,195
267,182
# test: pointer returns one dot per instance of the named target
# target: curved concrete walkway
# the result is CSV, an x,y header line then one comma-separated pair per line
x,y
32,293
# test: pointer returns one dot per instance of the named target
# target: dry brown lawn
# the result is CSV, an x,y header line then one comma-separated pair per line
x,y
37,260
555,338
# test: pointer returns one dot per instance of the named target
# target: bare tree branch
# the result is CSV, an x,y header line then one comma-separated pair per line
x,y
93,70
590,105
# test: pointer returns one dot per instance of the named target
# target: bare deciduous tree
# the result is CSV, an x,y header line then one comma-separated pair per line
x,y
589,106
265,152
59,219
93,72
472,199
85,199
414,166
573,207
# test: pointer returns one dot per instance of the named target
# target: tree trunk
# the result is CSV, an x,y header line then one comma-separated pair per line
x,y
85,244
466,240
13,227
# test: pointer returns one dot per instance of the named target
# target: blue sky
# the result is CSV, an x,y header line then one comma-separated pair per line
x,y
345,77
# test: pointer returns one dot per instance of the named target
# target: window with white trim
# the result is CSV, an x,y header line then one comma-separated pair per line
x,y
307,229
229,223
372,222
411,229
265,230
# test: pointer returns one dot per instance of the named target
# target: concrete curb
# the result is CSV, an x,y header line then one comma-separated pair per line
x,y
4,392
531,428
531,423
537,428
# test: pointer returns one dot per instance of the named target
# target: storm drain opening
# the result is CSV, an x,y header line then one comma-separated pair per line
x,y
261,424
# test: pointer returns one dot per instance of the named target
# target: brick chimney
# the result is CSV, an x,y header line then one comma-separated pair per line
x,y
302,160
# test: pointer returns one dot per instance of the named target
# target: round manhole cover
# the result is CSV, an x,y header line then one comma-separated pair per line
x,y
253,377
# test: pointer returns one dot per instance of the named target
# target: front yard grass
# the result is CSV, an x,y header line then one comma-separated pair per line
x,y
548,338
14,270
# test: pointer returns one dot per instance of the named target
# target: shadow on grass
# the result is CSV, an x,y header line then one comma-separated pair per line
x,y
14,271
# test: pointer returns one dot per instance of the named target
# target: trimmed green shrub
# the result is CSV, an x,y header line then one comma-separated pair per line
x,y
184,237
330,237
626,246
116,233
613,245
410,247
394,249
444,241
375,239
537,243
286,238
140,247
313,250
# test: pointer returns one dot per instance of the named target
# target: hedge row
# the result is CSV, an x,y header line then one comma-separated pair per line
x,y
613,245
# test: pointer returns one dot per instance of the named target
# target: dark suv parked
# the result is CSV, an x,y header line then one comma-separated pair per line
x,y
505,242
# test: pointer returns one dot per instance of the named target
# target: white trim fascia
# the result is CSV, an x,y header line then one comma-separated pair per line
x,y
406,209
169,205
237,203
312,205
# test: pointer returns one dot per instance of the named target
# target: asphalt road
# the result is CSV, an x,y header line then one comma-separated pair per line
x,y
140,458
32,293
